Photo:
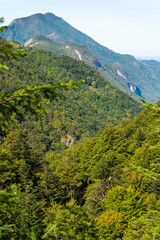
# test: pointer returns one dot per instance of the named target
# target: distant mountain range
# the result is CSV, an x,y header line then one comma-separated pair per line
x,y
137,78
156,58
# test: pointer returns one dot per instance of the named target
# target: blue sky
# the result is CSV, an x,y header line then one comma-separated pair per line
x,y
125,26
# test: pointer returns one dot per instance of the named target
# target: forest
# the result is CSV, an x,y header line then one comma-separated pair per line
x,y
79,159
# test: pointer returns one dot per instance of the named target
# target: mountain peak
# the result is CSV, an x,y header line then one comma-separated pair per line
x,y
33,17
50,14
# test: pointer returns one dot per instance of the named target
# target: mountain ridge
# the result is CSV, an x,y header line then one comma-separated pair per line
x,y
84,54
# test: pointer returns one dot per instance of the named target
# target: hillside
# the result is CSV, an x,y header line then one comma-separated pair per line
x,y
114,174
127,73
83,113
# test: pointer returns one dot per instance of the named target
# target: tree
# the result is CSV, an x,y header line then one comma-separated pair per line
x,y
69,222
144,228
121,205
7,51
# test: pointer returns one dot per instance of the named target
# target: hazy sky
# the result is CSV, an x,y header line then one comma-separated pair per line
x,y
125,26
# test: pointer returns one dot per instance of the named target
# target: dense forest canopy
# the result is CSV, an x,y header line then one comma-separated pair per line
x,y
61,180
81,113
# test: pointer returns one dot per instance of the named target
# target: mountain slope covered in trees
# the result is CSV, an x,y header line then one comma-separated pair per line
x,y
84,54
82,113
106,187
114,176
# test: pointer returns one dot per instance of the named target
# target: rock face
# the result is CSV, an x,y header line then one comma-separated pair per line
x,y
121,75
134,89
69,140
97,63
130,85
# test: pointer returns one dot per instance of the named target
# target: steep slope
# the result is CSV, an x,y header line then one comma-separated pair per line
x,y
75,51
84,54
131,75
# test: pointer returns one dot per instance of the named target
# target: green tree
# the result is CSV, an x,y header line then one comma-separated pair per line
x,y
69,222
144,228
121,205
7,51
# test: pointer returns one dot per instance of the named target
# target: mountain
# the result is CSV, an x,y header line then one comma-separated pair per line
x,y
127,73
156,58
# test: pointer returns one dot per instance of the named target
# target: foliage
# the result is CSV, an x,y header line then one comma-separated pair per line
x,y
21,214
81,113
144,228
105,173
121,205
30,98
69,222
93,190
102,187
7,51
